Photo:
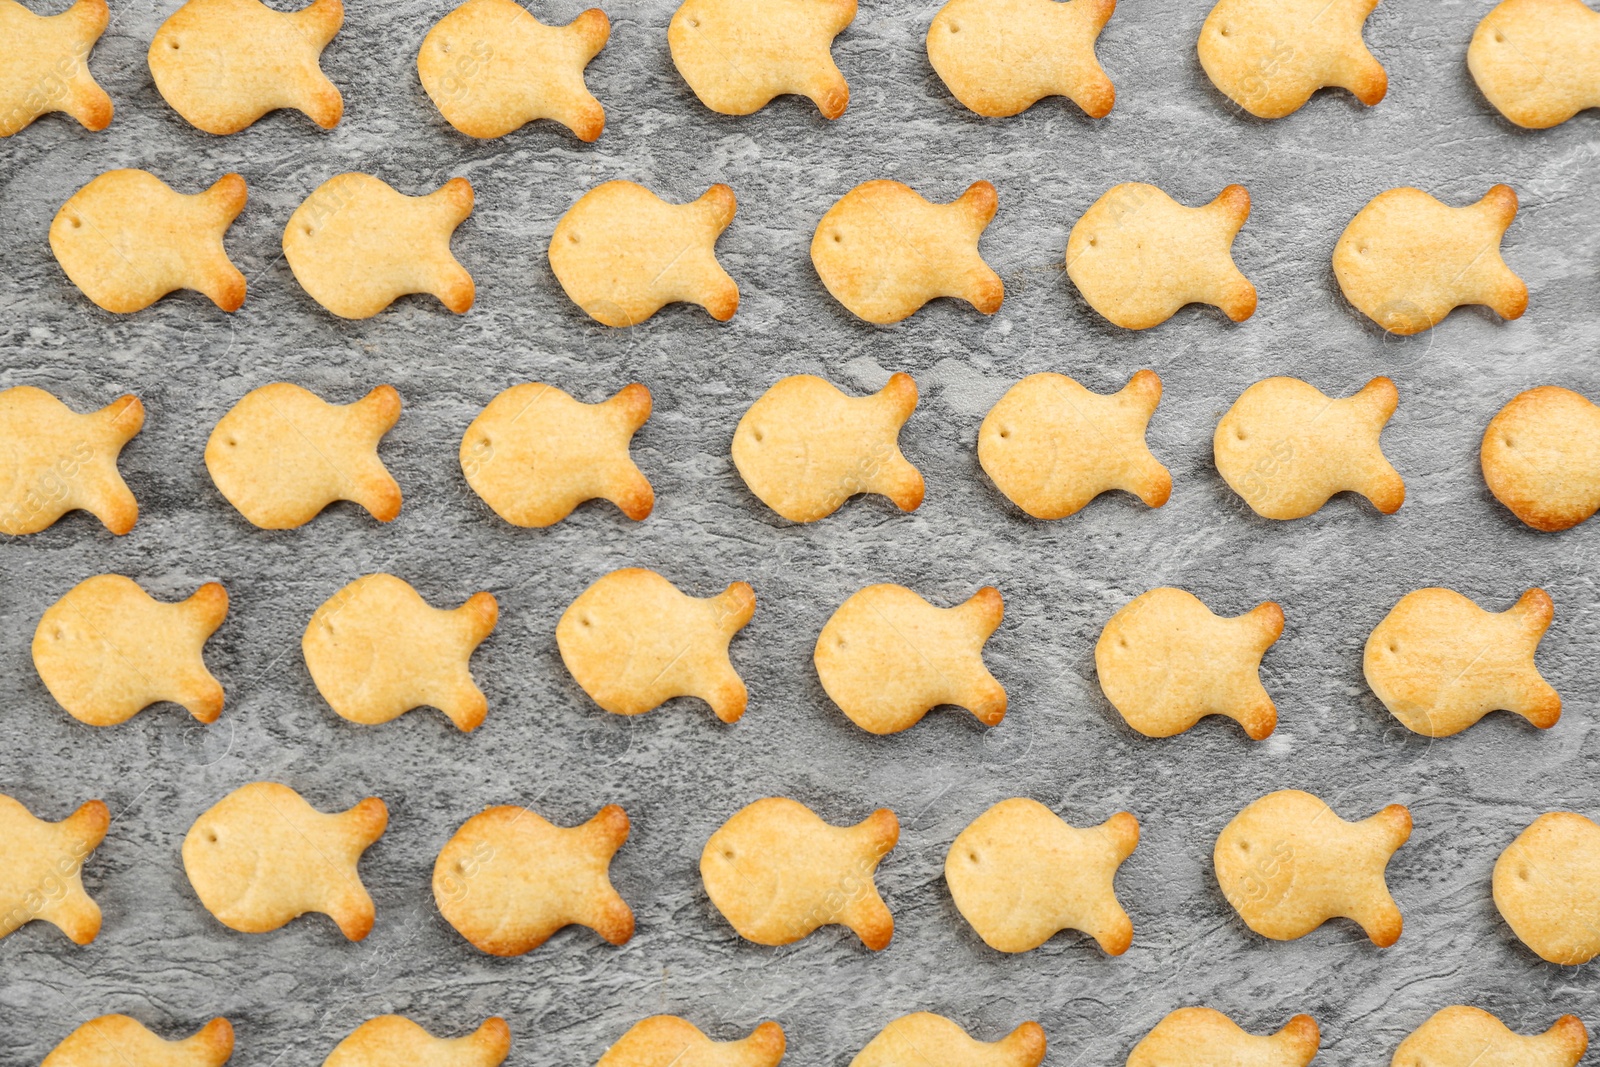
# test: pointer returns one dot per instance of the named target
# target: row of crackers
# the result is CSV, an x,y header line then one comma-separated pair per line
x,y
1018,874
1457,1036
632,640
282,454
490,67
621,253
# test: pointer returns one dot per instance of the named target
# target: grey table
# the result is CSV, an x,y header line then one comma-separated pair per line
x,y
294,993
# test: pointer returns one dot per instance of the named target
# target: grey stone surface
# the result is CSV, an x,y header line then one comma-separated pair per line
x,y
294,993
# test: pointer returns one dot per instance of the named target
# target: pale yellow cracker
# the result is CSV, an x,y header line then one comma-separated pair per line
x,y
805,447
1051,446
633,641
107,650
738,54
1541,457
118,1041
490,67
41,868
395,1041
1020,874
45,67
1440,663
887,657
127,239
1406,260
923,1039
1547,887
1137,255
376,649
222,64
1204,1037
1286,447
1269,56
53,460
1165,662
1288,864
622,253
777,872
883,251
356,245
534,454
1459,1036
282,454
1538,61
508,879
668,1041
261,857
1000,57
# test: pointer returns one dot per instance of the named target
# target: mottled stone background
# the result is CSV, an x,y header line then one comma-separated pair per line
x,y
294,993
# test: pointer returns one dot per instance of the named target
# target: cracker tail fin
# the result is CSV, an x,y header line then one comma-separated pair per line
x,y
632,492
1568,1039
102,490
828,89
888,471
212,1044
764,1047
352,910
631,405
609,828
1300,1038
367,820
86,101
1539,703
321,20
593,28
74,913
1381,920
371,484
491,1042
736,605
122,418
1233,292
89,823
984,696
1498,286
705,282
1361,73
898,396
478,617
868,916
717,205
380,409
1143,391
1025,1046
1535,610
217,277
899,480
983,611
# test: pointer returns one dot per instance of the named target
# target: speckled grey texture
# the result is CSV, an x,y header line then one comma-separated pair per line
x,y
293,994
